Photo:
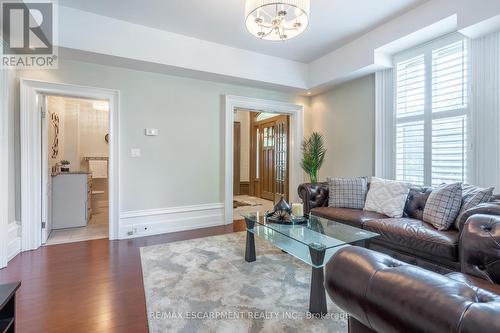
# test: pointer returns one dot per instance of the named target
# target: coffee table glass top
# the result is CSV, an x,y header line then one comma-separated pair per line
x,y
319,233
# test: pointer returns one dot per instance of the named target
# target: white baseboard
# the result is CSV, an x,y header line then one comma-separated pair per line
x,y
165,220
14,239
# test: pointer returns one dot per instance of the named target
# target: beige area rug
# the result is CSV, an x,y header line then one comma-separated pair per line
x,y
242,203
205,285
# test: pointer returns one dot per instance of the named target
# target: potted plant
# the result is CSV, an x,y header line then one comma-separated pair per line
x,y
65,165
313,149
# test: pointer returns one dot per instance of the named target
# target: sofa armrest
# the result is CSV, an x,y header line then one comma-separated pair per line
x,y
313,195
387,295
488,208
480,247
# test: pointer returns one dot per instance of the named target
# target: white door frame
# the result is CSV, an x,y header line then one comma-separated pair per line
x,y
4,168
296,113
31,181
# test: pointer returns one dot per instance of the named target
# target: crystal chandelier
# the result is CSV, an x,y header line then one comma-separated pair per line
x,y
277,19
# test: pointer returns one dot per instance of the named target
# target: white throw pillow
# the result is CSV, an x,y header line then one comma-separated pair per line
x,y
387,197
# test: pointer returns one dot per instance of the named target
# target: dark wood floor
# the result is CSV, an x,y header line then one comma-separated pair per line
x,y
92,286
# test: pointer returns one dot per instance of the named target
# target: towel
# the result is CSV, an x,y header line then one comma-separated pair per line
x,y
99,168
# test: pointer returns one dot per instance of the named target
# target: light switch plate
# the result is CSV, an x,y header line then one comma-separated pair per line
x,y
135,152
151,131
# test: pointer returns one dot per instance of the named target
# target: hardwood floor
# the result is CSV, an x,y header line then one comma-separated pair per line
x,y
90,286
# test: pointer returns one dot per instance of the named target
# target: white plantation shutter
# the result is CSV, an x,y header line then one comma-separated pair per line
x,y
410,152
449,77
410,106
410,87
431,115
449,150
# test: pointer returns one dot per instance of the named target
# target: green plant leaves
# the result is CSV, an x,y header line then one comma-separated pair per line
x,y
314,151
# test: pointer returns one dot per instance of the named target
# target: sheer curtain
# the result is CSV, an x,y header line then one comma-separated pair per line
x,y
384,124
485,111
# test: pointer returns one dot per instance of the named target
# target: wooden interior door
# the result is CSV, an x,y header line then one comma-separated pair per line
x,y
236,157
281,164
267,160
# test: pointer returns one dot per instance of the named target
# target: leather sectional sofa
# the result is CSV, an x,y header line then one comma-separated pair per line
x,y
382,294
408,238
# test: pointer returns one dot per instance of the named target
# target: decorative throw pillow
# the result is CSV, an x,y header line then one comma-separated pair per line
x,y
347,192
386,197
471,197
443,205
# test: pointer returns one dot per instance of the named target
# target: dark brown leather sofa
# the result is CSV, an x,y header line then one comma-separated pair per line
x,y
408,238
382,294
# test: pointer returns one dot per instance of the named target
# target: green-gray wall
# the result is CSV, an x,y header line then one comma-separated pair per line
x,y
184,164
345,115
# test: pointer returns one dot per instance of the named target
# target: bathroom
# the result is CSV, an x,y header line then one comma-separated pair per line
x,y
75,153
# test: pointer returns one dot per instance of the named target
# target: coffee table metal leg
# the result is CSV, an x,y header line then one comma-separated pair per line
x,y
317,299
250,247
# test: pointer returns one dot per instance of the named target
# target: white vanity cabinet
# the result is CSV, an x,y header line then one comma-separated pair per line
x,y
70,199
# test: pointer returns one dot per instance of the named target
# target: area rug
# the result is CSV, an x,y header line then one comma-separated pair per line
x,y
205,285
240,203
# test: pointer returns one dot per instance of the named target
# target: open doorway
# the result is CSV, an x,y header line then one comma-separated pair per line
x,y
75,156
260,160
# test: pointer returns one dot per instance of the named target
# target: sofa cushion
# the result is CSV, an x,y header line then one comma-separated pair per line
x,y
386,197
471,197
347,192
416,235
415,203
443,205
353,217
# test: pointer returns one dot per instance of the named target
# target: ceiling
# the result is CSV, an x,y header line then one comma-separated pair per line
x,y
333,22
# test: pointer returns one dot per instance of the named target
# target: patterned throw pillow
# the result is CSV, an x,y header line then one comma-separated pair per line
x,y
386,197
347,192
443,205
471,197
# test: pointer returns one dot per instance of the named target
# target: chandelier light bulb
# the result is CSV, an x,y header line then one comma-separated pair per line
x,y
277,20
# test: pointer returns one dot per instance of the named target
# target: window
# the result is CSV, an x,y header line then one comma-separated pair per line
x,y
431,115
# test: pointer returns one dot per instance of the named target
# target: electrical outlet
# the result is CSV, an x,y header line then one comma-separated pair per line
x,y
132,232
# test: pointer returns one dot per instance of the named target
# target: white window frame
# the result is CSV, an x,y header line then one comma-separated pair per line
x,y
428,116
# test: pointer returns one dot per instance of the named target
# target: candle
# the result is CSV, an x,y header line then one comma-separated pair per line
x,y
298,209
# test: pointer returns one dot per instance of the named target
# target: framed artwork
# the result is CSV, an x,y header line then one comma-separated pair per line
x,y
54,118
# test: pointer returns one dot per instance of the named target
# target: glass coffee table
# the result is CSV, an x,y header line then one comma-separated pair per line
x,y
314,243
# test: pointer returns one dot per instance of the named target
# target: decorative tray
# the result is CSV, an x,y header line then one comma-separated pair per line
x,y
294,220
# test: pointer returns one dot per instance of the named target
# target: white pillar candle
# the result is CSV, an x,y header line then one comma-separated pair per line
x,y
298,209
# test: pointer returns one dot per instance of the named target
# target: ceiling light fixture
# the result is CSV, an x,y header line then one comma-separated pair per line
x,y
277,19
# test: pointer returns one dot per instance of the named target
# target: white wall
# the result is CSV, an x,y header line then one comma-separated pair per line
x,y
183,166
345,116
93,125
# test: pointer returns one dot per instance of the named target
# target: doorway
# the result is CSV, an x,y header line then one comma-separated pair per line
x,y
75,153
31,153
296,129
260,160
